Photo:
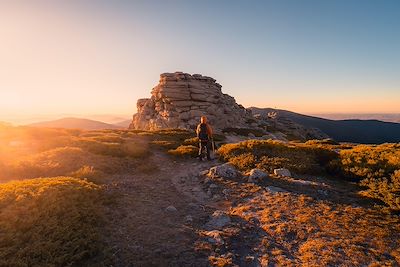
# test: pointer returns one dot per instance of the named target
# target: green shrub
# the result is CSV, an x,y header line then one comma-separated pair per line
x,y
269,154
377,168
51,222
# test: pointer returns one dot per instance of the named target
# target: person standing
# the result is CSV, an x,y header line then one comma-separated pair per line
x,y
204,133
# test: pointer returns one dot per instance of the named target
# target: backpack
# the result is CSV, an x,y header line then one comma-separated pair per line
x,y
203,133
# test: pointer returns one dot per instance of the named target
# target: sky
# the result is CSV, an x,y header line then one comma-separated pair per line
x,y
99,57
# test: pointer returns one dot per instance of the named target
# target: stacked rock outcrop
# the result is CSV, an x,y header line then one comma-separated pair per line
x,y
180,99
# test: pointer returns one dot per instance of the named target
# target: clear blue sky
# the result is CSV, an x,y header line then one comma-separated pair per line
x,y
89,57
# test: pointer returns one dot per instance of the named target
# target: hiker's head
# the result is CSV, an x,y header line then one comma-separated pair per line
x,y
203,119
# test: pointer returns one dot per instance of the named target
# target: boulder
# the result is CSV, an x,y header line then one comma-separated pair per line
x,y
180,99
226,170
282,172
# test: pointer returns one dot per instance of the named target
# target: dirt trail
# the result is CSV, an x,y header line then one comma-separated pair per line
x,y
142,231
267,227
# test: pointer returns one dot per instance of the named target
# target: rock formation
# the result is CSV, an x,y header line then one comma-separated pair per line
x,y
180,99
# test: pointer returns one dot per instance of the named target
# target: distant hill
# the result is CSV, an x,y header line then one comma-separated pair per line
x,y
75,123
355,131
123,124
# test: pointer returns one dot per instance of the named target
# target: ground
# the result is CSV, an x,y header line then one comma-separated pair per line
x,y
315,221
135,204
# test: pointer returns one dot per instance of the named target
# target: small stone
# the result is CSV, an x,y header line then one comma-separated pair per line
x,y
213,186
282,172
274,189
171,209
207,180
256,175
226,170
188,219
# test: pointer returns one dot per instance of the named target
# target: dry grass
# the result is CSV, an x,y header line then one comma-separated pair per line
x,y
268,154
40,152
51,222
300,230
184,151
375,166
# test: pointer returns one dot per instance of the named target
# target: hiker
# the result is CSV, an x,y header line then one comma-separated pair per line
x,y
204,133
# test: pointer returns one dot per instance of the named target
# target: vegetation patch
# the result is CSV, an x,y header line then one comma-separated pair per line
x,y
185,151
269,154
51,222
377,167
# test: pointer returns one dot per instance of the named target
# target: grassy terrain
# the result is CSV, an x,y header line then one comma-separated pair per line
x,y
52,213
58,188
51,222
376,167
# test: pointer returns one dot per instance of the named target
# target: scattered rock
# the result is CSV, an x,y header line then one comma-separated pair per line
x,y
282,172
219,220
226,170
193,206
188,219
171,209
209,193
226,192
256,175
207,180
216,197
323,192
214,237
274,189
213,186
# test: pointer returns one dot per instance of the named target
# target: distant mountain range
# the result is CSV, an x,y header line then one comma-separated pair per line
x,y
355,131
78,123
388,117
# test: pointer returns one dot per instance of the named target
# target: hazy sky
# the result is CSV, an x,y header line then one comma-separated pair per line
x,y
87,57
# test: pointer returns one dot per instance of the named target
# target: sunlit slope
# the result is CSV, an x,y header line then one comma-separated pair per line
x,y
50,222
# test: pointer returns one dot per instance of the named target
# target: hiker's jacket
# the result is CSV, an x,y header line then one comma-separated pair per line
x,y
204,131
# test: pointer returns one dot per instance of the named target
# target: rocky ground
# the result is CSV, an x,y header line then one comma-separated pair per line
x,y
182,213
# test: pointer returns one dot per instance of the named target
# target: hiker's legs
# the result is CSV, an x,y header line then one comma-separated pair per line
x,y
202,146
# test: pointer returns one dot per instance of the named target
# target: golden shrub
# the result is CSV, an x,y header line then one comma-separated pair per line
x,y
50,222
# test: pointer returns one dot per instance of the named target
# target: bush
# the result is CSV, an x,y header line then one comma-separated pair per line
x,y
326,141
268,154
89,173
377,168
184,151
51,222
191,141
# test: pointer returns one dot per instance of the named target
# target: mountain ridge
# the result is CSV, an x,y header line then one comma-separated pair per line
x,y
349,130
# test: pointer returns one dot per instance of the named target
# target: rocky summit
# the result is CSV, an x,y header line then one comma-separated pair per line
x,y
180,99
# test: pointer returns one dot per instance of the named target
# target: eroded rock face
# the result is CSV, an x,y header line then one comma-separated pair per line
x,y
180,99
